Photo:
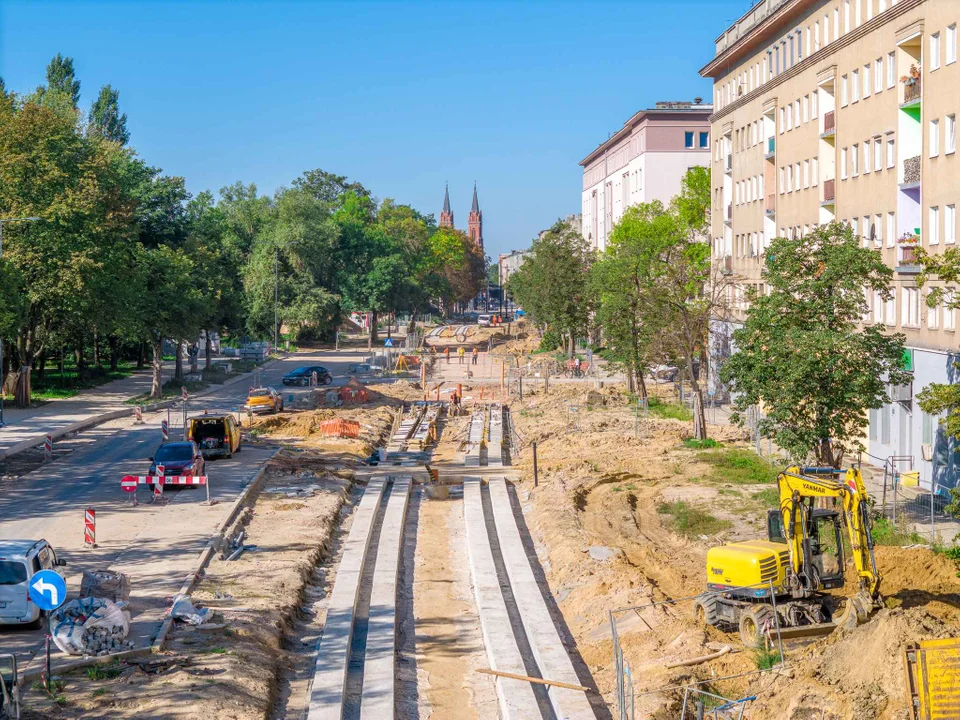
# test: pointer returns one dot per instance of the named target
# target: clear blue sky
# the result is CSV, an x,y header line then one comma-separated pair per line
x,y
401,96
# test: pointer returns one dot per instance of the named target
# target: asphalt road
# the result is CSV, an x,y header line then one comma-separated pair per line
x,y
156,545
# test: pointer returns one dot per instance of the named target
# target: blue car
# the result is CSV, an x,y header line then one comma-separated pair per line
x,y
301,376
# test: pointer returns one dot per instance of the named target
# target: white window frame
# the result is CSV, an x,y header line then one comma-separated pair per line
x,y
878,230
890,310
806,174
934,51
844,92
878,76
891,229
866,81
933,226
806,108
843,164
949,313
814,102
951,43
877,307
933,315
950,135
866,157
891,70
814,172
855,86
950,224
855,160
934,139
891,151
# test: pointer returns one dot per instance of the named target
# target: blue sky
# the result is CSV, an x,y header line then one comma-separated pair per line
x,y
401,96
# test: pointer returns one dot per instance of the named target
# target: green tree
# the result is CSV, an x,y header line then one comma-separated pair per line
x,y
552,285
61,78
106,119
802,355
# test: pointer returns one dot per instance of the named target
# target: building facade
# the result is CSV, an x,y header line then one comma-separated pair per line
x,y
644,161
846,110
509,263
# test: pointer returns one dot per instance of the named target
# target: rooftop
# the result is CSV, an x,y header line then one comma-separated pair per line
x,y
664,107
763,13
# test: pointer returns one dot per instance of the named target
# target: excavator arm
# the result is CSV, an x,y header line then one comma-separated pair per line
x,y
799,487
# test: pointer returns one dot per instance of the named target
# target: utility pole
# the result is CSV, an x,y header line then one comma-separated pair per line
x,y
2,376
276,296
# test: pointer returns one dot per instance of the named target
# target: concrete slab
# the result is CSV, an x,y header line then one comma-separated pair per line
x,y
517,701
333,651
377,700
551,656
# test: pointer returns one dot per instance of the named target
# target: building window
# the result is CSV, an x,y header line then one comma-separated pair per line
x,y
877,154
891,69
796,114
704,139
891,310
782,124
843,91
950,134
789,178
891,229
891,154
855,226
855,160
877,307
909,307
806,108
814,172
813,106
859,16
843,164
806,174
855,86
816,35
866,80
836,23
949,312
866,156
951,40
868,232
790,116
934,230
846,17
878,76
688,139
878,230
933,322
934,138
783,185
934,51
950,224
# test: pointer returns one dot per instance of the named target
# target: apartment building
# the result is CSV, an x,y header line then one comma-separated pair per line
x,y
644,161
846,110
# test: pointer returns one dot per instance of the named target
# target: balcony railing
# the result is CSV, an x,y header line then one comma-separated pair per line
x,y
911,91
771,145
829,122
829,190
770,204
729,162
911,170
726,264
908,254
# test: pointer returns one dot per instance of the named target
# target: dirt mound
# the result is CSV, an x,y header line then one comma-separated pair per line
x,y
855,674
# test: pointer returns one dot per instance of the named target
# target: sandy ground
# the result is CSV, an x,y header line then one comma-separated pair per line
x,y
600,488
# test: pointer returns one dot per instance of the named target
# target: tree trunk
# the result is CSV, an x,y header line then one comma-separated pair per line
x,y
156,389
141,355
373,330
642,383
207,351
96,348
631,384
699,414
42,364
194,357
178,361
114,342
825,454
21,395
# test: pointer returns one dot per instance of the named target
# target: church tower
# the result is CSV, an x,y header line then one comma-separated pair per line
x,y
475,221
446,217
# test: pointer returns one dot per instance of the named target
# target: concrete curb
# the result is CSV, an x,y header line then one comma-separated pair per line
x,y
210,549
66,666
95,420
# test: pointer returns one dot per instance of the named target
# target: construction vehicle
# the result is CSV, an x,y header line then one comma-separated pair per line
x,y
761,585
9,688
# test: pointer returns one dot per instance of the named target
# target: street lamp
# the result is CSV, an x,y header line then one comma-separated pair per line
x,y
2,377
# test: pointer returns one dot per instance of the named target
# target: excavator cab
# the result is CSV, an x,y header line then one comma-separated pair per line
x,y
9,688
822,564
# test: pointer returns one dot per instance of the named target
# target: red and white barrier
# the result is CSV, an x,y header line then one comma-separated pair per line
x,y
139,415
90,527
48,447
129,483
158,484
165,429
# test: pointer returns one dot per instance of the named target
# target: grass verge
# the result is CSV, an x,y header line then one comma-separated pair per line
x,y
738,466
690,521
669,411
886,533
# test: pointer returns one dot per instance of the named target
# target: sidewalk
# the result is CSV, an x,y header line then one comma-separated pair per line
x,y
23,424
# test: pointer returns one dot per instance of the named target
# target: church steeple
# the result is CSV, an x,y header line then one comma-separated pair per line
x,y
446,217
475,221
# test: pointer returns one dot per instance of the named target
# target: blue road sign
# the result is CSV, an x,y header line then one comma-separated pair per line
x,y
388,342
48,590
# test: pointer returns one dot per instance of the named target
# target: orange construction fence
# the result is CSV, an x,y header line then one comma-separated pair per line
x,y
340,428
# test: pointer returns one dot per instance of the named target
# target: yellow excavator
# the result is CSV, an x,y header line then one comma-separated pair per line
x,y
757,586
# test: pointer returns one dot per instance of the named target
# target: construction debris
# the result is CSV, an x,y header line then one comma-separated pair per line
x,y
91,626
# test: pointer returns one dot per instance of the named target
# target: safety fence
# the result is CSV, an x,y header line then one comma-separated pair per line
x,y
339,428
759,605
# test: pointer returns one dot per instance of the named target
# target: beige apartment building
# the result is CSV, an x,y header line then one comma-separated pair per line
x,y
846,110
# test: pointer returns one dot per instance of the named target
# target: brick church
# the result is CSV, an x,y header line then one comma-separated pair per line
x,y
474,220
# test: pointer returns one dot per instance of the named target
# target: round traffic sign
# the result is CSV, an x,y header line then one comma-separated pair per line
x,y
48,590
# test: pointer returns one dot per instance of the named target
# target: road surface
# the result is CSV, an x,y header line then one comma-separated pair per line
x,y
156,545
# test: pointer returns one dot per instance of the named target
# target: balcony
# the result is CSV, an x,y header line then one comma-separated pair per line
x,y
726,264
911,172
728,164
908,263
829,124
770,204
829,191
912,89
728,217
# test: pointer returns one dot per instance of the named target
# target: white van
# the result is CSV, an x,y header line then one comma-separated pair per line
x,y
20,560
483,320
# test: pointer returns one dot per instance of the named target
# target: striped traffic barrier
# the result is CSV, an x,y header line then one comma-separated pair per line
x,y
158,485
165,429
129,484
48,447
139,418
90,527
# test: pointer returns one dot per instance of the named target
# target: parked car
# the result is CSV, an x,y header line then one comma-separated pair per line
x,y
217,435
261,400
484,320
302,375
178,458
20,560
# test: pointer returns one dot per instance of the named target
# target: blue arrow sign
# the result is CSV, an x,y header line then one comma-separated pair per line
x,y
388,342
48,590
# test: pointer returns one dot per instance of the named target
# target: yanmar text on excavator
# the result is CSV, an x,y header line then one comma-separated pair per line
x,y
779,582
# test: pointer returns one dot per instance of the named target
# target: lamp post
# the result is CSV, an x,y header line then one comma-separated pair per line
x,y
2,376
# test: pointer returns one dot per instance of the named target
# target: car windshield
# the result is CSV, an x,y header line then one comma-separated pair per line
x,y
300,371
262,392
12,572
176,453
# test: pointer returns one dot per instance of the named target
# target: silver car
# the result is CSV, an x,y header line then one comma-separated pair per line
x,y
20,560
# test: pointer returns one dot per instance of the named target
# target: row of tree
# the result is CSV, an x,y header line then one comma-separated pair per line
x,y
800,351
118,257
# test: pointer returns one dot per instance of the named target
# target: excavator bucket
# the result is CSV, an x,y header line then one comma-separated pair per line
x,y
856,611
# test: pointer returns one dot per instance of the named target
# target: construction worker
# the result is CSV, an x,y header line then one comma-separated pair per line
x,y
460,354
446,354
476,354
